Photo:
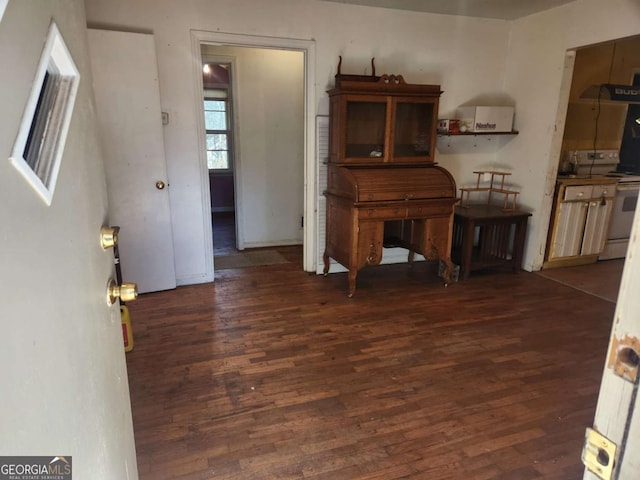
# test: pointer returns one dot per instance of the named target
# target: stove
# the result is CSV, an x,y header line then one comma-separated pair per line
x,y
593,163
598,163
624,177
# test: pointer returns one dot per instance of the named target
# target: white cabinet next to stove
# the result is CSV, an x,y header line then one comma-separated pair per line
x,y
579,221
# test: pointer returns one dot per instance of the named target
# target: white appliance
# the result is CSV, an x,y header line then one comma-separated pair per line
x,y
593,163
624,207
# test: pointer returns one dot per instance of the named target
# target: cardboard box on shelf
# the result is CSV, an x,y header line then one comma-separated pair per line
x,y
486,119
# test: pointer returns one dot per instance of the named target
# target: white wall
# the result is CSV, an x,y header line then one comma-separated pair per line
x,y
466,56
269,166
534,76
62,365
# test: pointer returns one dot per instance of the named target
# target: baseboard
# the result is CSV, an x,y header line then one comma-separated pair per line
x,y
193,279
222,209
278,243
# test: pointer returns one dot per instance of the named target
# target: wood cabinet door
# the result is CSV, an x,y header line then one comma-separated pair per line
x,y
568,229
359,125
412,129
596,227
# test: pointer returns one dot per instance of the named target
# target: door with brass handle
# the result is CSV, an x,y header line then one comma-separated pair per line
x,y
125,292
160,185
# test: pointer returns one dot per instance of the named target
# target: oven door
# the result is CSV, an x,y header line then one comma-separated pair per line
x,y
623,211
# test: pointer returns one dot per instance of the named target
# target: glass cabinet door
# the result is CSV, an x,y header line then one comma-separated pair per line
x,y
413,131
365,128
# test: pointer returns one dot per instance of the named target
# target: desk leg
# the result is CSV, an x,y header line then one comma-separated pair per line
x,y
467,248
325,258
352,282
518,244
448,269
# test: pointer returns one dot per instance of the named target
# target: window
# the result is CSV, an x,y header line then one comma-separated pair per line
x,y
218,131
38,149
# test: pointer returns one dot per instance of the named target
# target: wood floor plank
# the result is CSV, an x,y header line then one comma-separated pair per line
x,y
271,372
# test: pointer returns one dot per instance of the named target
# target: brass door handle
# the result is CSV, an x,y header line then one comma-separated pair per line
x,y
126,292
160,185
109,237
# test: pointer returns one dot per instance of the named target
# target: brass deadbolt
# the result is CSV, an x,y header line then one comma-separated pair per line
x,y
109,237
160,185
125,292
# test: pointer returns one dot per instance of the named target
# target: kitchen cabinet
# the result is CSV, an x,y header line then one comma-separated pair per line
x,y
579,221
382,182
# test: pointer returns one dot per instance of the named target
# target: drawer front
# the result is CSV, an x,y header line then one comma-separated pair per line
x,y
381,213
579,192
608,191
433,210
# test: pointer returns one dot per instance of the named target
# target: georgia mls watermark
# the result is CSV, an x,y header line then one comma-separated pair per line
x,y
35,468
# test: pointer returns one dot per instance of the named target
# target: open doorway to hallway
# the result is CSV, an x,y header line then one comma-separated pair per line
x,y
254,121
219,132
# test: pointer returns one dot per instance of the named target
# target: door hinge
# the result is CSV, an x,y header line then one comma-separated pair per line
x,y
598,454
301,222
625,357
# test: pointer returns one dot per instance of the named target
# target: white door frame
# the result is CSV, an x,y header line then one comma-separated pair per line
x,y
307,47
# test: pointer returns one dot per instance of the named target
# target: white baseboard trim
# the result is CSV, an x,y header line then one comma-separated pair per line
x,y
278,243
193,279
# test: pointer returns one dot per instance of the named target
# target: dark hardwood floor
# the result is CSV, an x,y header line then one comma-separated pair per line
x,y
224,233
273,373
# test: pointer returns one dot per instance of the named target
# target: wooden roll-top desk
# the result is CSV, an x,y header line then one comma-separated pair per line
x,y
382,180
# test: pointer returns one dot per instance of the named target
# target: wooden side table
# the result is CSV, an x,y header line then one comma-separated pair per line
x,y
499,240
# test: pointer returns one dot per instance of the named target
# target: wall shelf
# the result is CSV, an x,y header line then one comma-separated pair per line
x,y
476,141
477,134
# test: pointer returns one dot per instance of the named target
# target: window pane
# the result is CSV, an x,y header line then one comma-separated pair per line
x,y
215,120
217,160
217,141
215,105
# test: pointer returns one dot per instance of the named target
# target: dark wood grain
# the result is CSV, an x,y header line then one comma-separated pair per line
x,y
273,373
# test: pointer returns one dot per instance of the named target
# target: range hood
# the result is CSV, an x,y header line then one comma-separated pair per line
x,y
610,92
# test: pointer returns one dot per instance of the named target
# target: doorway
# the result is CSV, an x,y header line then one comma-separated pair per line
x,y
218,102
255,169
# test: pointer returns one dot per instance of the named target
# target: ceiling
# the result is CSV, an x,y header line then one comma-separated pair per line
x,y
502,9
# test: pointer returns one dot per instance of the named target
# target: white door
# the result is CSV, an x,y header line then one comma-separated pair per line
x,y
125,80
62,360
619,403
